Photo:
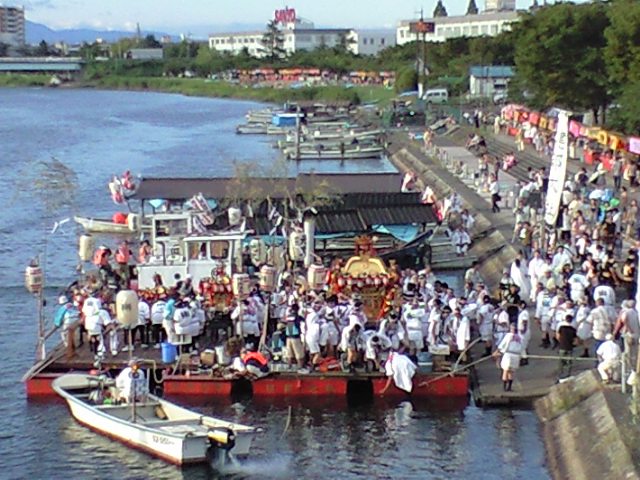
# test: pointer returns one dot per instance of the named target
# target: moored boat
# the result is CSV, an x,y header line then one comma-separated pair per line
x,y
334,154
98,225
156,426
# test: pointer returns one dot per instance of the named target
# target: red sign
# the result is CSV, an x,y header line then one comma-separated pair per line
x,y
286,15
422,27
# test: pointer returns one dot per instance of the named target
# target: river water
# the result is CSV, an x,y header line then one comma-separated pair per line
x,y
97,134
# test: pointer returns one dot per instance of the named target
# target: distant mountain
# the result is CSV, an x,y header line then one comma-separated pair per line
x,y
36,32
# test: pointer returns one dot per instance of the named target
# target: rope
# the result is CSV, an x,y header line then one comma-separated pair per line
x,y
287,424
453,372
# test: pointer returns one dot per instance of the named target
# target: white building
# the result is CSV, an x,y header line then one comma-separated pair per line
x,y
370,42
490,24
499,5
301,34
12,26
487,81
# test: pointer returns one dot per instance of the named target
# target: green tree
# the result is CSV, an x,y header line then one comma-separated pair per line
x,y
622,52
406,80
273,42
559,56
42,50
150,42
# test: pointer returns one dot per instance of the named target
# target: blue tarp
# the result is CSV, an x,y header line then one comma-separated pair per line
x,y
406,233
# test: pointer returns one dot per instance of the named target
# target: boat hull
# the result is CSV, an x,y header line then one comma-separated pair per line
x,y
170,448
94,225
316,385
282,385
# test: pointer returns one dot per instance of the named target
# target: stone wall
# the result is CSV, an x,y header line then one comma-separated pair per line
x,y
584,430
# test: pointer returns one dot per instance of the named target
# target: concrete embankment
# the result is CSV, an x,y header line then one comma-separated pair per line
x,y
588,431
492,244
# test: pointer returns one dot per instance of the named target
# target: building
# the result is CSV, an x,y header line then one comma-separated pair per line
x,y
489,81
370,42
499,5
300,34
12,26
490,23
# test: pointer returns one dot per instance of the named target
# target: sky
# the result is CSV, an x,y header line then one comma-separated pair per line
x,y
200,17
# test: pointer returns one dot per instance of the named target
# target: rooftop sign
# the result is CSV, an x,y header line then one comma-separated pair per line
x,y
286,15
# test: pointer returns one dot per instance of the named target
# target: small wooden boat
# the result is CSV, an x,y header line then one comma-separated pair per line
x,y
156,426
97,225
333,154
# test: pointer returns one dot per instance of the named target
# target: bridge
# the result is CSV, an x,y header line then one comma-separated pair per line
x,y
41,64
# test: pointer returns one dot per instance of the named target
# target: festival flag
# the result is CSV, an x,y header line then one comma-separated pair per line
x,y
558,171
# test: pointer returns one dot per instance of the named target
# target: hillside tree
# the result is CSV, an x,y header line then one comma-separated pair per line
x,y
273,42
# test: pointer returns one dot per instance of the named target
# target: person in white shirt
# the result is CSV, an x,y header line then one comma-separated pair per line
x,y
132,384
494,190
157,315
412,316
141,330
484,317
609,355
461,241
93,322
510,349
605,292
400,370
601,323
524,330
537,267
313,328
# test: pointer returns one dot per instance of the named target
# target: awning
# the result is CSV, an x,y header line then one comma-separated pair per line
x,y
405,233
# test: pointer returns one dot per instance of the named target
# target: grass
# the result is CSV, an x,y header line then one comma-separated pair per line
x,y
219,89
17,80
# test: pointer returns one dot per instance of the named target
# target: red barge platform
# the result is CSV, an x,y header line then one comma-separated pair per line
x,y
427,384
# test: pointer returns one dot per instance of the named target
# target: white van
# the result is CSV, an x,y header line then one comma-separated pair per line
x,y
436,95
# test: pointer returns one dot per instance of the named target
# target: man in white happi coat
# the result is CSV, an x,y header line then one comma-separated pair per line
x,y
606,292
413,315
609,356
543,314
578,284
484,317
537,268
524,330
461,241
601,322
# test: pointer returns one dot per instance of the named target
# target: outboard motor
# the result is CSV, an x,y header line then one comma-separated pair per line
x,y
222,438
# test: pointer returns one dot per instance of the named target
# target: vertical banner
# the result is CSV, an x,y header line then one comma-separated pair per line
x,y
558,170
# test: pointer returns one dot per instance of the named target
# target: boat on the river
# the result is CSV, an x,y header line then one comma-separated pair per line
x,y
156,426
103,225
335,154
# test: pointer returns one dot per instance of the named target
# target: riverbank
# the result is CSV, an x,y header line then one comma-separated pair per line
x,y
215,89
588,430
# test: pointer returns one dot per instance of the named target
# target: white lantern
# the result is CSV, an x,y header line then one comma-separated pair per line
x,y
127,307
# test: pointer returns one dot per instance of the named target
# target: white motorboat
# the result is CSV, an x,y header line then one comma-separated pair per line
x,y
97,225
156,426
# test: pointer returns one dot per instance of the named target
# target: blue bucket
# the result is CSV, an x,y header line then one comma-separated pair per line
x,y
169,353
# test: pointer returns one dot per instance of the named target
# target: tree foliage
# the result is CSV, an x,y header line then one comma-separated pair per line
x,y
273,42
559,56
